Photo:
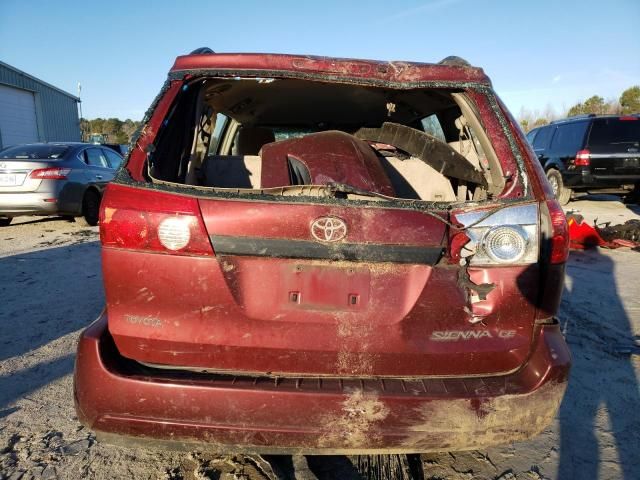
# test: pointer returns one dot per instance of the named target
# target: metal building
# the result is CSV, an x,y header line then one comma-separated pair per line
x,y
34,111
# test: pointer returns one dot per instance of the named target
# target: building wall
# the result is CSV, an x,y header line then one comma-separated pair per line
x,y
56,112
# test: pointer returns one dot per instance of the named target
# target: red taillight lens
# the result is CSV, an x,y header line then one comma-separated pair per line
x,y
51,173
457,243
583,158
138,219
559,233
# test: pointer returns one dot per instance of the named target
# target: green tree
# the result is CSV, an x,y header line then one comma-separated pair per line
x,y
121,137
540,122
630,100
116,130
595,104
577,109
129,127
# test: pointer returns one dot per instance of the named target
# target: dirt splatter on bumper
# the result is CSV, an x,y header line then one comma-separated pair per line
x,y
119,399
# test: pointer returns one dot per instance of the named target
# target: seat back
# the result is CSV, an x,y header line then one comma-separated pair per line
x,y
250,140
232,171
413,178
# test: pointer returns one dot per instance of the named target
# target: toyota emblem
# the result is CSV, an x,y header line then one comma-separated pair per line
x,y
328,229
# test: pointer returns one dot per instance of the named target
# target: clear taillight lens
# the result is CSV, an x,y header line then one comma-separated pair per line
x,y
174,233
506,244
509,236
138,219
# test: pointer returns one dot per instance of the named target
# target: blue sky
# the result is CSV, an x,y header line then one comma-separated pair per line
x,y
538,53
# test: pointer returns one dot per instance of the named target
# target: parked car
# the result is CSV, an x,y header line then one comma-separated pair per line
x,y
54,179
324,255
120,148
590,153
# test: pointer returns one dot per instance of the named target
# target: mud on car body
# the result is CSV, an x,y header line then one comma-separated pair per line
x,y
326,255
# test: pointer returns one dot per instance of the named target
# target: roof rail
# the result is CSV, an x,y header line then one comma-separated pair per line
x,y
574,117
202,51
454,61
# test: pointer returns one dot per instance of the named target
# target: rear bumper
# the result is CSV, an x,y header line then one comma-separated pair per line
x,y
586,179
123,401
28,203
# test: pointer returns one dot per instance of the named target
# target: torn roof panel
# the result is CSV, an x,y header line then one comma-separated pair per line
x,y
395,71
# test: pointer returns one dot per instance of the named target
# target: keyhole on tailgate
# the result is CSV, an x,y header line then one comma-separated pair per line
x,y
354,299
294,297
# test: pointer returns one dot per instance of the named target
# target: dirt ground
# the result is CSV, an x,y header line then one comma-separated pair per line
x,y
50,288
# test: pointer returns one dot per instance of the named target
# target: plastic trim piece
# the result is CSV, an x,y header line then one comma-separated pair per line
x,y
286,248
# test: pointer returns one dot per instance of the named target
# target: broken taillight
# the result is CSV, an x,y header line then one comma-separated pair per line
x,y
583,158
137,219
507,236
456,246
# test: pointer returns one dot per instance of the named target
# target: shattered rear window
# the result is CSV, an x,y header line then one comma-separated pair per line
x,y
349,140
287,133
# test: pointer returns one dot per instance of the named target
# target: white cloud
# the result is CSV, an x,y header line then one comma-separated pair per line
x,y
427,7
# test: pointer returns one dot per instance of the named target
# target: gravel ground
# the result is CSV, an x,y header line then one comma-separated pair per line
x,y
50,286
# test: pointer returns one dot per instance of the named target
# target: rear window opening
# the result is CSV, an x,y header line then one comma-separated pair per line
x,y
615,131
301,137
34,152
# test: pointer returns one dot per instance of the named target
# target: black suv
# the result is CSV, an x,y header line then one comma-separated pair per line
x,y
589,152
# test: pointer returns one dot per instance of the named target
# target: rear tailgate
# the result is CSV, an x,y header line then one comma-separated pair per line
x,y
279,298
614,146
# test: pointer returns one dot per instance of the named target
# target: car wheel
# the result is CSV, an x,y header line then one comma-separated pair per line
x,y
90,208
633,197
4,222
562,193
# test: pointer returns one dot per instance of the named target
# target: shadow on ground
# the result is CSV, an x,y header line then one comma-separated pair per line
x,y
603,380
603,198
36,220
45,295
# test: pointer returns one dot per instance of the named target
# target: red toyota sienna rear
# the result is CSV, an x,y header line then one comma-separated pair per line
x,y
327,255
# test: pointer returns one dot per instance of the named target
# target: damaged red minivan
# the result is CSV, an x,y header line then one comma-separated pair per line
x,y
322,255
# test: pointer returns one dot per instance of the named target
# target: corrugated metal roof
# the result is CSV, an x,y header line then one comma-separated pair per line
x,y
37,80
56,110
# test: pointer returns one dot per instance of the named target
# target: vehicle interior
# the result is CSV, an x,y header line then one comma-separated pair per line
x,y
267,135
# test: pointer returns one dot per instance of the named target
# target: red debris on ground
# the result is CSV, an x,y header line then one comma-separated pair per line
x,y
582,235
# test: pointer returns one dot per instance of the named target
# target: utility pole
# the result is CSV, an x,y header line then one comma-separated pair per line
x,y
80,105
